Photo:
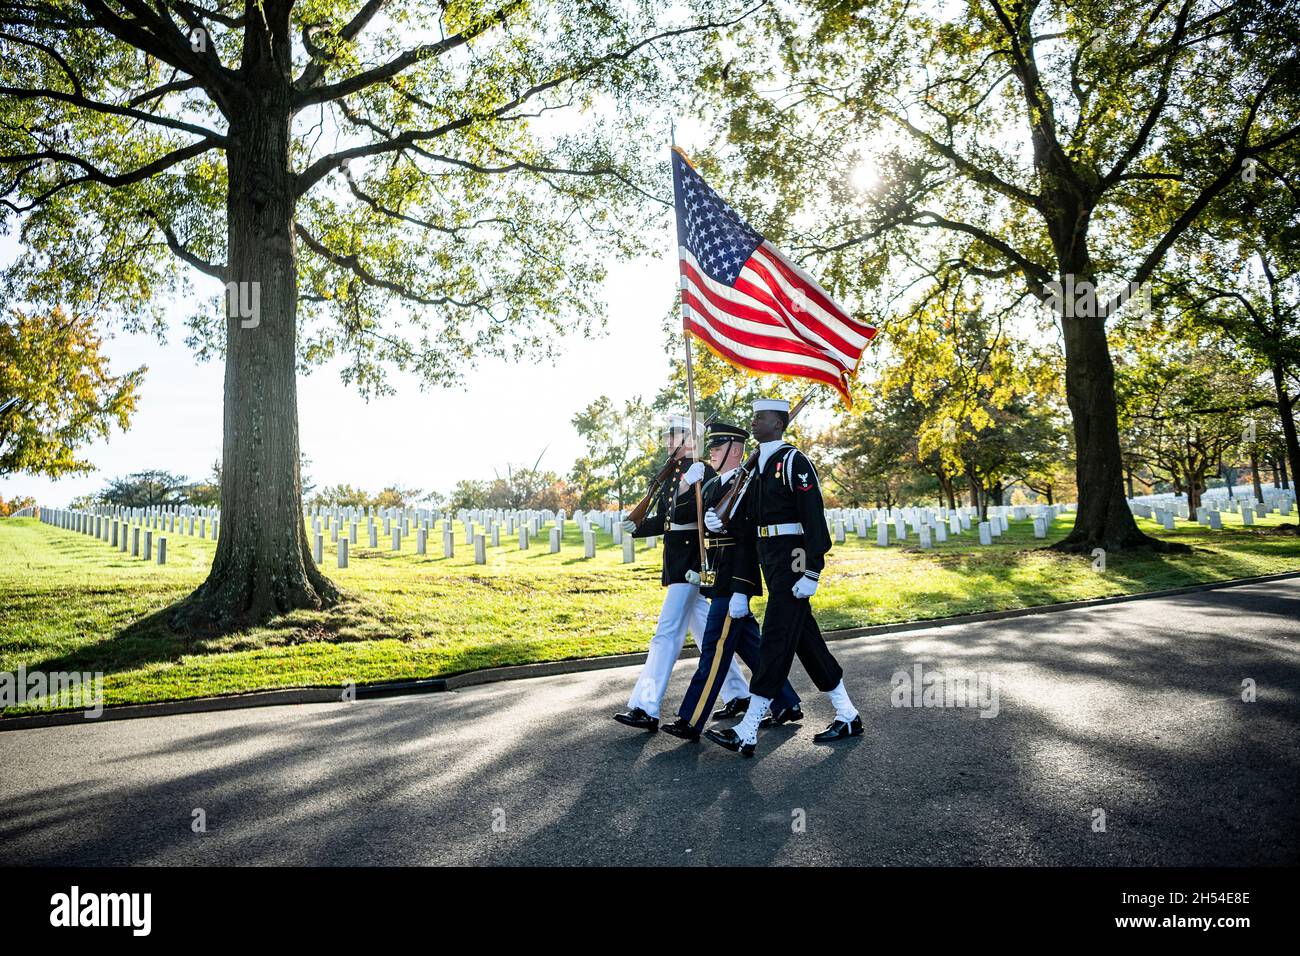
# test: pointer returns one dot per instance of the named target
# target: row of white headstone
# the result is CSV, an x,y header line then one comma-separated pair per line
x,y
932,526
117,532
1165,509
482,528
115,524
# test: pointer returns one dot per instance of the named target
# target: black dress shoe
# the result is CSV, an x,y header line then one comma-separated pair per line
x,y
735,707
638,718
681,728
786,715
839,730
729,739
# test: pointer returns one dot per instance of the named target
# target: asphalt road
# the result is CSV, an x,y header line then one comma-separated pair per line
x,y
1132,709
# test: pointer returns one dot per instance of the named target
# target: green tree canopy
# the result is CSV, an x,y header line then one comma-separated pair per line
x,y
56,392
1055,141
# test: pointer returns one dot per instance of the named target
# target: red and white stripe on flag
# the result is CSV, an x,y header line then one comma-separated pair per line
x,y
774,320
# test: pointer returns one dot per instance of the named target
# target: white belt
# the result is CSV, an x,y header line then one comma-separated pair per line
x,y
674,526
772,530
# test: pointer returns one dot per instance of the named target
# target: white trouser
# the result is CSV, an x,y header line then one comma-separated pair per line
x,y
684,607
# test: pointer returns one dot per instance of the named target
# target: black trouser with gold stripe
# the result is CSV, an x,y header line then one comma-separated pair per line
x,y
724,636
789,628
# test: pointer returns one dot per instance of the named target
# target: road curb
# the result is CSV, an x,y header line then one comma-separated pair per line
x,y
492,675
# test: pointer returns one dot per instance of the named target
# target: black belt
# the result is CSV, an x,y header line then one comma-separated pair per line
x,y
719,542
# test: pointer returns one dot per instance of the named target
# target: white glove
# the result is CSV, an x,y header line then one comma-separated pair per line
x,y
805,587
692,577
629,526
694,473
739,606
712,521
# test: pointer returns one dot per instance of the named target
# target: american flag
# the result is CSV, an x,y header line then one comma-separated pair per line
x,y
751,305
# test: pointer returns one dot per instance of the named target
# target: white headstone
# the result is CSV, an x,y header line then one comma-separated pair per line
x,y
343,549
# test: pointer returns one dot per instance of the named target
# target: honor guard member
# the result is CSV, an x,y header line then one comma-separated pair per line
x,y
676,519
731,579
785,505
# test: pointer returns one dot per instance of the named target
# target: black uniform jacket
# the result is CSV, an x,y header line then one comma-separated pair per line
x,y
681,548
731,555
786,492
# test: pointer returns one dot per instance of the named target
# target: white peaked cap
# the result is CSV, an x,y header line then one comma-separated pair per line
x,y
679,423
771,405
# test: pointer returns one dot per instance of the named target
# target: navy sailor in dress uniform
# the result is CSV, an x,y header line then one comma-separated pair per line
x,y
732,566
675,518
791,538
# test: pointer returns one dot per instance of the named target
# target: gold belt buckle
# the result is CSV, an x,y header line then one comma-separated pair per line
x,y
765,531
708,578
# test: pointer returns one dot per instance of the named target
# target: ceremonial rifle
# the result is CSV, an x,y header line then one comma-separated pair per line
x,y
642,508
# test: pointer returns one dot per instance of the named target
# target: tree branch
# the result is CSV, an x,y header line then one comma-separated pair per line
x,y
309,95
319,169
179,250
22,93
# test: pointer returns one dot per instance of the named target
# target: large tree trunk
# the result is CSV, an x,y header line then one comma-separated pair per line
x,y
1286,411
1103,519
263,564
1194,485
1254,475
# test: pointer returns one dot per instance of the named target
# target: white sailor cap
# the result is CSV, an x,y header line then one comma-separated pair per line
x,y
771,405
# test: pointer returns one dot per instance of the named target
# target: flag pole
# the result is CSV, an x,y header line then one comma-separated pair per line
x,y
690,397
695,439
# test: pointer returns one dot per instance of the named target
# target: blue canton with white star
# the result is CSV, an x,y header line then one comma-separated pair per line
x,y
719,239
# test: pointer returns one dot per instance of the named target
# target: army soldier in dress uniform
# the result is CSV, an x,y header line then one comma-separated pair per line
x,y
785,505
732,561
676,519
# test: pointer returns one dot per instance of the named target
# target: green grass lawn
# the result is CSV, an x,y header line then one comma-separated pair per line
x,y
69,602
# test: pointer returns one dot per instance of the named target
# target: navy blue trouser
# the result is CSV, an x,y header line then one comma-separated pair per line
x,y
723,637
